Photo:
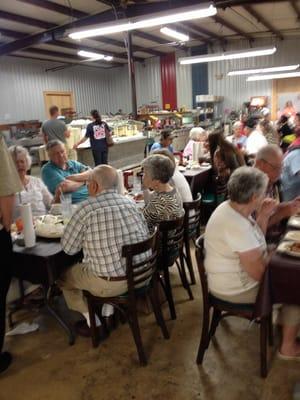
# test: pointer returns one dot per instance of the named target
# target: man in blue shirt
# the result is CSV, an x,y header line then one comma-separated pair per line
x,y
166,139
56,171
290,177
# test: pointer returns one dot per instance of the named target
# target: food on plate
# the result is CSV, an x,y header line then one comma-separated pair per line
x,y
295,247
139,196
49,226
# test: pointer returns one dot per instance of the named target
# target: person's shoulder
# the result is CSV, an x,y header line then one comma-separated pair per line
x,y
47,167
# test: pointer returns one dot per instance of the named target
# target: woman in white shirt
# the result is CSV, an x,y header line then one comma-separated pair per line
x,y
236,251
35,192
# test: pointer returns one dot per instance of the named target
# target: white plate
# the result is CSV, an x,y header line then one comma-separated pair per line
x,y
292,235
294,222
284,247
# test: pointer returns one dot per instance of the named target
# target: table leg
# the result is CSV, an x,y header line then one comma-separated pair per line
x,y
55,315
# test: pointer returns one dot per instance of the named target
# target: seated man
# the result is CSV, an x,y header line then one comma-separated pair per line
x,y
101,226
165,142
56,171
269,160
290,177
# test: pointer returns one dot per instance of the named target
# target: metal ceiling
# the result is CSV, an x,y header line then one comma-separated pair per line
x,y
38,28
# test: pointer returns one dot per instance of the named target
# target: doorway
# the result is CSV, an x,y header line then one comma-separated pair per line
x,y
63,100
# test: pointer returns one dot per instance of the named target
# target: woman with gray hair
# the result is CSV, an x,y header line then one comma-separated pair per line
x,y
35,191
197,134
236,252
165,202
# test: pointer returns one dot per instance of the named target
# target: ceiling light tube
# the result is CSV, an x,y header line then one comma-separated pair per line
x,y
262,70
93,56
157,19
229,55
273,76
174,34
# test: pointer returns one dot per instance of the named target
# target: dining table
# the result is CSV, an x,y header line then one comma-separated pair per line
x,y
43,264
197,178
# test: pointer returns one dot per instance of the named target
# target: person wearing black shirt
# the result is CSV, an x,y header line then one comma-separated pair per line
x,y
97,131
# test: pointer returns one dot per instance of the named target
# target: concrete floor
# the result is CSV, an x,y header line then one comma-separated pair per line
x,y
46,368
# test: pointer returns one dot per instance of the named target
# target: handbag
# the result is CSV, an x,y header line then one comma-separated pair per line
x,y
109,138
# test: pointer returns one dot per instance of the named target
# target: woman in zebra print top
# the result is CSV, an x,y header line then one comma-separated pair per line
x,y
165,202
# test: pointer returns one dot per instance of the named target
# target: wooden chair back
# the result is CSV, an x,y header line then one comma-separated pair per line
x,y
192,217
171,238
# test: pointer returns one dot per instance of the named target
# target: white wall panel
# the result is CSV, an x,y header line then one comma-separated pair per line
x,y
183,82
148,82
235,89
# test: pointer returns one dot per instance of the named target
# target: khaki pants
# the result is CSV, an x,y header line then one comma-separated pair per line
x,y
79,278
289,315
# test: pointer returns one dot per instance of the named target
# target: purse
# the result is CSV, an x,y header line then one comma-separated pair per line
x,y
109,139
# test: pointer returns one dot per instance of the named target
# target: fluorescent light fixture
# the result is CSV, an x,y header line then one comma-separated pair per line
x,y
182,14
262,70
93,56
229,55
174,34
273,76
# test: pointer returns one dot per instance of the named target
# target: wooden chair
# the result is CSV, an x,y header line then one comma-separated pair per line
x,y
142,280
191,231
172,239
223,309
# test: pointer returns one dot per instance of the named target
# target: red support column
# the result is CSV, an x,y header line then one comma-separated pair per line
x,y
168,80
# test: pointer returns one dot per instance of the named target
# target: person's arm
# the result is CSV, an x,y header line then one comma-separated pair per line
x,y
73,235
67,133
284,210
6,210
47,196
267,208
81,177
84,139
254,263
66,187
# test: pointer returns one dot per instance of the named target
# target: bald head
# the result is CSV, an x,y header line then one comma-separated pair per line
x,y
269,160
105,176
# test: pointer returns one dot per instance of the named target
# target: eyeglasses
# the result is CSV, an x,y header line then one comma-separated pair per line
x,y
275,167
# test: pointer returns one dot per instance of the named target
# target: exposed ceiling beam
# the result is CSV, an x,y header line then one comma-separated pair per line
x,y
49,5
232,3
150,37
12,34
232,27
26,20
262,21
204,31
295,8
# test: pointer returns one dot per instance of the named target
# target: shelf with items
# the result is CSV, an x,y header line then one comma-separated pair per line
x,y
210,110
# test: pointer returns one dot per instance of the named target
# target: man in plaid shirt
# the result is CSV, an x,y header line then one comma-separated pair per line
x,y
100,227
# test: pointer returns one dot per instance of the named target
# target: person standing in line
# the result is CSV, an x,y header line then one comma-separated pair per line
x,y
9,185
97,131
53,128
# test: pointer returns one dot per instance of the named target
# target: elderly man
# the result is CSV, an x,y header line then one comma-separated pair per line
x,y
101,226
9,185
56,171
269,160
237,138
53,128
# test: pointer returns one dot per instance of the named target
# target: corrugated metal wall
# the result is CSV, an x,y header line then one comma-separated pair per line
x,y
235,89
183,82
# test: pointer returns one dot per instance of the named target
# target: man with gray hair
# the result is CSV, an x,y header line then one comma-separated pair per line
x,y
237,138
56,171
269,160
100,227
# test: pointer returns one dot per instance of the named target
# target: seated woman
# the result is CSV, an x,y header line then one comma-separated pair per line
x,y
35,191
237,138
225,159
197,134
236,252
165,202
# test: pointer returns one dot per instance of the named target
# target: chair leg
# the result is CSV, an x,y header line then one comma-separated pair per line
x,y
263,347
92,311
135,329
270,330
204,341
183,276
189,262
168,291
158,313
214,322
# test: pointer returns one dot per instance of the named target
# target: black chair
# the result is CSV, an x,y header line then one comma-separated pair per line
x,y
142,280
223,309
191,231
171,249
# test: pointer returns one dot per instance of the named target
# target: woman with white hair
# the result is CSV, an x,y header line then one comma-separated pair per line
x,y
35,192
197,134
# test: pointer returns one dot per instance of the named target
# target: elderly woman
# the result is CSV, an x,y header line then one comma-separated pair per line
x,y
237,138
197,134
236,251
35,192
165,202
